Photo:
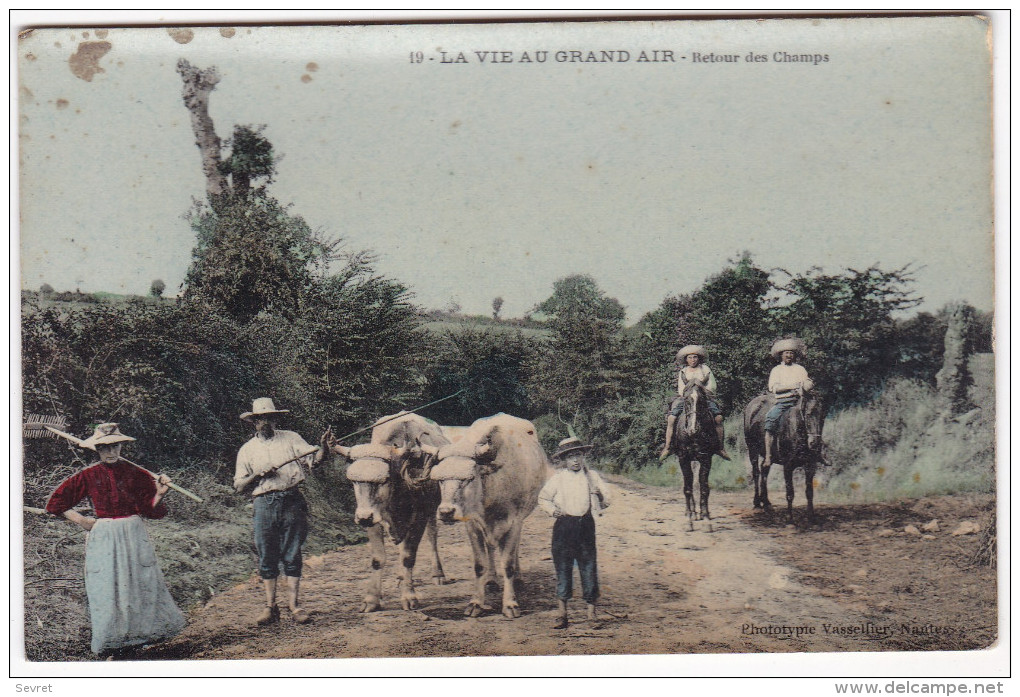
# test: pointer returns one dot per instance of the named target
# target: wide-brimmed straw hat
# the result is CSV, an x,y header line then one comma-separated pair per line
x,y
569,445
692,348
792,344
262,406
106,434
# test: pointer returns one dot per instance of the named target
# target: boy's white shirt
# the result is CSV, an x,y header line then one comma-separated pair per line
x,y
700,372
574,493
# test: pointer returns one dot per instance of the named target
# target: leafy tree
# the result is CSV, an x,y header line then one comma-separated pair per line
x,y
492,367
497,305
848,323
46,289
581,368
254,255
157,288
730,315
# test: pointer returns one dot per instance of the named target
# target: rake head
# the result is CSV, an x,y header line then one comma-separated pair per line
x,y
35,426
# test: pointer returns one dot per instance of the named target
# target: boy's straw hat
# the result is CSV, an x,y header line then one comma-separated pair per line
x,y
569,445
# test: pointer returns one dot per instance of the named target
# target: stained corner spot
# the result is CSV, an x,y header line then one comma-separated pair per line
x,y
180,35
85,61
227,32
306,78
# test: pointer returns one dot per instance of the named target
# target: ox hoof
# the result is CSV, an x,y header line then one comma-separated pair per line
x,y
475,610
512,611
409,603
370,606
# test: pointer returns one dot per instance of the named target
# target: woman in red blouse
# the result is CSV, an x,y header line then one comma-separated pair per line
x,y
129,603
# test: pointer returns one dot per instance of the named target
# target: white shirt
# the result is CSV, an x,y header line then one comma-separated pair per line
x,y
786,377
259,454
572,492
701,372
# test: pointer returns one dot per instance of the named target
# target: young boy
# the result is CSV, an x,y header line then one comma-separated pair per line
x,y
570,496
693,367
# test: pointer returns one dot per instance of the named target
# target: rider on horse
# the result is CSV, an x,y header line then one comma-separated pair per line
x,y
692,367
786,383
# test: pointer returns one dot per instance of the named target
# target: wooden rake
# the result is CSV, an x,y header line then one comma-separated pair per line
x,y
40,426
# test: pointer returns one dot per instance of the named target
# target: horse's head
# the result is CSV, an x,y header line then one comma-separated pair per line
x,y
695,401
813,412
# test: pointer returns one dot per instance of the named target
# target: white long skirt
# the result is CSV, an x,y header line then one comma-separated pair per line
x,y
128,599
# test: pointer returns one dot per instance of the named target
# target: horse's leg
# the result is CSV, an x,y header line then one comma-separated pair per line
x,y
764,477
809,490
788,475
704,469
685,467
752,455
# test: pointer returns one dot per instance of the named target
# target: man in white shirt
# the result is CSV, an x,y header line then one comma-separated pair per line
x,y
785,382
570,496
269,468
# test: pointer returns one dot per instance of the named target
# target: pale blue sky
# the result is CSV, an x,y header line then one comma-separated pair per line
x,y
472,181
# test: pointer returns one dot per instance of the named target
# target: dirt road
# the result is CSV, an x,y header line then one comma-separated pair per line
x,y
751,584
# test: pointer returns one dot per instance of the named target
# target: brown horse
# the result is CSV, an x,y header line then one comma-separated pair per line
x,y
695,439
798,444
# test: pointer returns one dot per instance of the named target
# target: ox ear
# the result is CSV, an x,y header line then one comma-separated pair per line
x,y
484,452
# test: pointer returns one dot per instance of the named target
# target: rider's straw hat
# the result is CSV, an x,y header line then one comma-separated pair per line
x,y
792,344
692,348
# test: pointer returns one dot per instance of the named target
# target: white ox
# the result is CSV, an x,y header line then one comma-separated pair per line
x,y
490,479
395,497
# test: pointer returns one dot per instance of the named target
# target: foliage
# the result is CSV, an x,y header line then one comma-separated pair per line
x,y
847,322
491,367
497,305
157,288
581,368
252,255
46,289
251,157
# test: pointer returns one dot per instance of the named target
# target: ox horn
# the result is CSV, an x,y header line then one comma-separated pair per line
x,y
343,451
429,449
482,449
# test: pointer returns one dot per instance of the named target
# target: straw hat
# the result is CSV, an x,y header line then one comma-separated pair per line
x,y
792,344
262,406
569,445
682,354
106,434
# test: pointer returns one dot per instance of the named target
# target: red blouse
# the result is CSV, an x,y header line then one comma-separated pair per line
x,y
117,491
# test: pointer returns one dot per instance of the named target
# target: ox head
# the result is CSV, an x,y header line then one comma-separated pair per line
x,y
458,466
369,472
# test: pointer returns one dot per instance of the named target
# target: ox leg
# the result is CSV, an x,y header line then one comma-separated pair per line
x,y
481,556
704,469
788,475
373,593
438,577
511,568
408,556
688,473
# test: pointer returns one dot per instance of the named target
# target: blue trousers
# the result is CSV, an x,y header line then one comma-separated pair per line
x,y
281,527
775,415
574,541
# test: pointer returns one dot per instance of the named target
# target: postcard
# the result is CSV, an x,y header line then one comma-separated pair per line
x,y
353,340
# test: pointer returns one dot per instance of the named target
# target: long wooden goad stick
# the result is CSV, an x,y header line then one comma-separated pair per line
x,y
80,444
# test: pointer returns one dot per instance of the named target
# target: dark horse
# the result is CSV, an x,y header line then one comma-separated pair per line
x,y
798,444
695,438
